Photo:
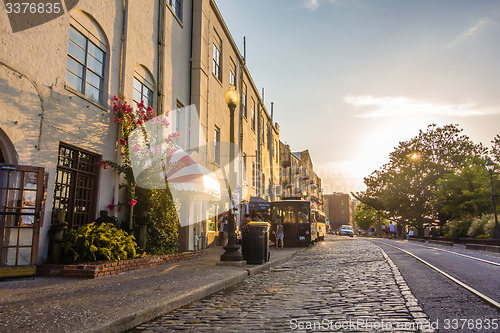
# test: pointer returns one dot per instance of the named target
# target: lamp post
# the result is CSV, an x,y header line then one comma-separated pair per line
x,y
490,166
231,252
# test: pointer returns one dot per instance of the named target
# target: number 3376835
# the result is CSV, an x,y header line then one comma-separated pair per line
x,y
33,8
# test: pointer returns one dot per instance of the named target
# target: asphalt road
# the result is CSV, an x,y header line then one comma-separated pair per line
x,y
452,307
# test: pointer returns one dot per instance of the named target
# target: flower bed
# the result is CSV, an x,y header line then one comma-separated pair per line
x,y
103,268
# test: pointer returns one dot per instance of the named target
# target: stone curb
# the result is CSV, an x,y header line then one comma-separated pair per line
x,y
412,304
144,315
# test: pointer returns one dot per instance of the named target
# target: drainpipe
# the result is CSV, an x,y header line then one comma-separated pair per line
x,y
121,94
161,56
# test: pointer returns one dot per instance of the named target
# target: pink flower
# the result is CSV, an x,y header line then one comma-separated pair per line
x,y
123,142
111,206
139,122
146,118
106,166
150,110
115,98
99,163
132,202
117,120
140,105
136,148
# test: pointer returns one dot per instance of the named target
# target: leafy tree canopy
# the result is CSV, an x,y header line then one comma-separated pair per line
x,y
405,187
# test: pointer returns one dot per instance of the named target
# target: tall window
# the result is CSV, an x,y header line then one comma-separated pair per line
x,y
85,64
76,185
177,7
262,132
244,168
244,99
217,70
183,125
232,74
143,91
252,115
276,150
269,139
264,185
254,175
217,145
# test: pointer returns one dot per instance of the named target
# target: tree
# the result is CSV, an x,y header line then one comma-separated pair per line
x,y
364,216
465,192
495,149
405,187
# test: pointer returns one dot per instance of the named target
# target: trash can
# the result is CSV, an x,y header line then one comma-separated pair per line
x,y
255,242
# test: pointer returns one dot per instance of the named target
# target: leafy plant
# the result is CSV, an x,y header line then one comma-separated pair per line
x,y
92,242
477,226
460,227
163,225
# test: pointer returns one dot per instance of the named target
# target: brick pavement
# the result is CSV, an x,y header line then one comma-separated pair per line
x,y
347,285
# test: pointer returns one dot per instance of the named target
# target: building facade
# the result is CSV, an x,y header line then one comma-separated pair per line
x,y
339,209
58,81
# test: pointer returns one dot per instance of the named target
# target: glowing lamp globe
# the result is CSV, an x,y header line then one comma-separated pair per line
x,y
232,97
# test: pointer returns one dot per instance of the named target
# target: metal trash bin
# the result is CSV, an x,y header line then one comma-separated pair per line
x,y
255,242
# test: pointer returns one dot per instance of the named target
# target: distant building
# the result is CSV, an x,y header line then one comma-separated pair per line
x,y
339,209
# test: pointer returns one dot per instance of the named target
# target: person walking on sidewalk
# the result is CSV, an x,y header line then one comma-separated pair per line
x,y
280,234
392,230
224,228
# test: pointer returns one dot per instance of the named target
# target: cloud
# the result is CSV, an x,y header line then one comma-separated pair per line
x,y
472,31
312,5
379,107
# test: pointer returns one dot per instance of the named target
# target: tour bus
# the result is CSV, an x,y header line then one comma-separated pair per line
x,y
299,225
320,218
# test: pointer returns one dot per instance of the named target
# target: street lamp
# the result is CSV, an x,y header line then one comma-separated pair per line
x,y
231,252
490,166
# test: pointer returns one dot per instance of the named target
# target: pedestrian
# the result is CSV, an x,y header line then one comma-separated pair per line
x,y
224,228
372,230
392,230
244,221
280,234
383,230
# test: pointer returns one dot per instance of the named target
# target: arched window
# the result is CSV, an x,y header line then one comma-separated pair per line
x,y
86,60
7,151
144,87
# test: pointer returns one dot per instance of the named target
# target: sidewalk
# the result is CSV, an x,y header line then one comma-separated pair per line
x,y
118,302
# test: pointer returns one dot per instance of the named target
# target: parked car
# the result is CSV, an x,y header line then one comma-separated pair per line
x,y
346,230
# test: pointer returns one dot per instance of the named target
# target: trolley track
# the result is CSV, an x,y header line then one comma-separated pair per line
x,y
458,254
472,290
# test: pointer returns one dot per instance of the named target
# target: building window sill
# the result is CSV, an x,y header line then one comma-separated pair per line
x,y
84,97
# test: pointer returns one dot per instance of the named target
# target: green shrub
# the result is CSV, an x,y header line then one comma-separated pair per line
x,y
163,226
477,226
92,242
489,227
460,227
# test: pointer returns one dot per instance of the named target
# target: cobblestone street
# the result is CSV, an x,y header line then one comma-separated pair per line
x,y
337,285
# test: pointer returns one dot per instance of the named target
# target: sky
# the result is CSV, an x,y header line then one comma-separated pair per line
x,y
350,79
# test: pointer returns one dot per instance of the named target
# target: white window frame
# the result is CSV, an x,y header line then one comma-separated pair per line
x,y
89,41
177,7
217,58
